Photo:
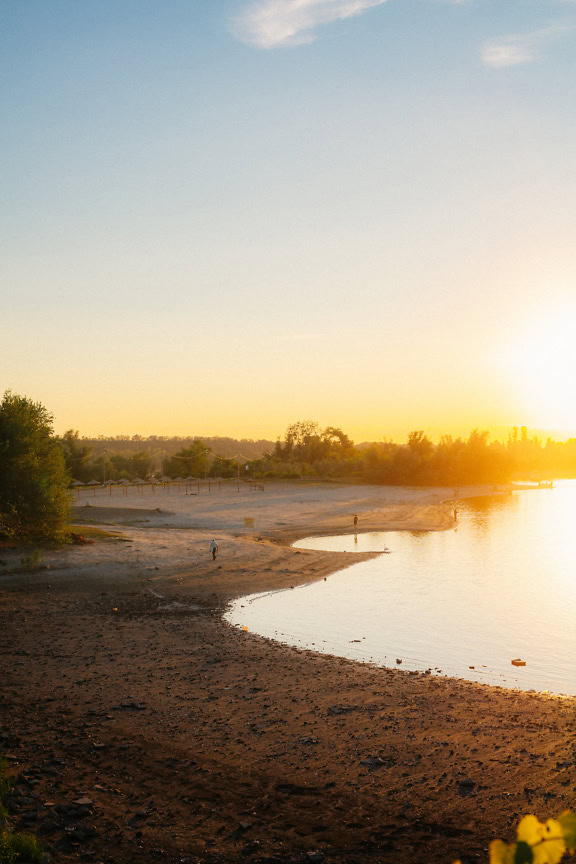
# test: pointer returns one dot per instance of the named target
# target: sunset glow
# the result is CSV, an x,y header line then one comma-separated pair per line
x,y
230,216
541,368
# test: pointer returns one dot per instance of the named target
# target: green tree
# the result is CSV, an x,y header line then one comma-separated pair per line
x,y
77,456
192,461
34,499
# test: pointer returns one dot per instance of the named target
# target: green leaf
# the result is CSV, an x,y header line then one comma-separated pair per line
x,y
523,853
567,821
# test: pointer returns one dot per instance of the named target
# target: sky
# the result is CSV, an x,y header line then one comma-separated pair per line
x,y
220,217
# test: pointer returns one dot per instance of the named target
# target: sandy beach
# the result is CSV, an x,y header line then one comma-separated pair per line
x,y
141,727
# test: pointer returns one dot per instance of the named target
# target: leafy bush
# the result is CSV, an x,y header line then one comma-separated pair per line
x,y
34,500
19,847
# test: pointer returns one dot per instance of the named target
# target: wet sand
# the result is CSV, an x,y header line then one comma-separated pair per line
x,y
194,741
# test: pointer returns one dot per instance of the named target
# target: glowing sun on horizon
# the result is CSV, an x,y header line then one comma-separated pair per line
x,y
541,367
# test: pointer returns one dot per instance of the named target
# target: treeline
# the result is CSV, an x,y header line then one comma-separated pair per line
x,y
534,458
163,446
130,458
307,451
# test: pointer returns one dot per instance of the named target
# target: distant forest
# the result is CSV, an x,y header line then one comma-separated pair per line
x,y
307,451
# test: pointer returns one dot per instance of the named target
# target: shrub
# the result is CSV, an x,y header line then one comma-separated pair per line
x,y
19,847
34,500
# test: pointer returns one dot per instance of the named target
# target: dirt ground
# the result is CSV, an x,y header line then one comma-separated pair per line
x,y
141,727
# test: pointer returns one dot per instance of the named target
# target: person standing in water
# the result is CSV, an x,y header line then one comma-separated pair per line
x,y
213,548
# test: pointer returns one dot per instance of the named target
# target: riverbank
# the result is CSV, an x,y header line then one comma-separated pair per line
x,y
195,741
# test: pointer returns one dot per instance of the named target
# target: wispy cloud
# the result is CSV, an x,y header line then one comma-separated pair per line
x,y
520,48
268,23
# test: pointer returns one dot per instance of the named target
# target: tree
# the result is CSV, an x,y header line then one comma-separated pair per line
x,y
34,499
77,456
307,442
191,461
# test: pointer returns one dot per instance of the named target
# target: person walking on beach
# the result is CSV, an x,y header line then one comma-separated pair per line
x,y
355,520
213,548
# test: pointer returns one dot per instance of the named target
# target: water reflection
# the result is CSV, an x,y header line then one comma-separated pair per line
x,y
500,586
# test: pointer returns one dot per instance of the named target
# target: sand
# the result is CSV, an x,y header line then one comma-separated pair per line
x,y
194,741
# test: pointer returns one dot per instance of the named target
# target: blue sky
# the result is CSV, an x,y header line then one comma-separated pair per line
x,y
221,216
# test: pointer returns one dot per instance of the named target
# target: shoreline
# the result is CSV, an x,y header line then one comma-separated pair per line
x,y
213,745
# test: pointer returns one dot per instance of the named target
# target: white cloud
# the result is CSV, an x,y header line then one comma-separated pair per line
x,y
268,23
520,48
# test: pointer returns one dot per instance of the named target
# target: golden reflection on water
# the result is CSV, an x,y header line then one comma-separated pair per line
x,y
501,585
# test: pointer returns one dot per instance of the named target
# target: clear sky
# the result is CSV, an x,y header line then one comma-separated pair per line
x,y
222,216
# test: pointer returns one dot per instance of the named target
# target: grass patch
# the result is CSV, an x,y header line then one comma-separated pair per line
x,y
19,847
32,561
14,846
97,534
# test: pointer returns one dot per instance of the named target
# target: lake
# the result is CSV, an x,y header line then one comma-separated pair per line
x,y
463,602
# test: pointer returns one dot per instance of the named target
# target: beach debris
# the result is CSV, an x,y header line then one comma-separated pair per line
x,y
398,660
245,629
518,662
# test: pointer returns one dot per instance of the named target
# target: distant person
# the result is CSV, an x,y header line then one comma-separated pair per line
x,y
455,514
213,549
355,520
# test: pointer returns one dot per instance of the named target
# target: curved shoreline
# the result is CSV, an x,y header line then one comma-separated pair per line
x,y
246,749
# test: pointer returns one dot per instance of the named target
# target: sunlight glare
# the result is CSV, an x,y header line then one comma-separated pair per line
x,y
540,365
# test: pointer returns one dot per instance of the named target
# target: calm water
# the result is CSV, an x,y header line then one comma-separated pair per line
x,y
501,585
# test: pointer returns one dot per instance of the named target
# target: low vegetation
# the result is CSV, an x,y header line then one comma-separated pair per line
x,y
537,842
15,847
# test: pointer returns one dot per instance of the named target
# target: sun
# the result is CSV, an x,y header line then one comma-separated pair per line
x,y
541,368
